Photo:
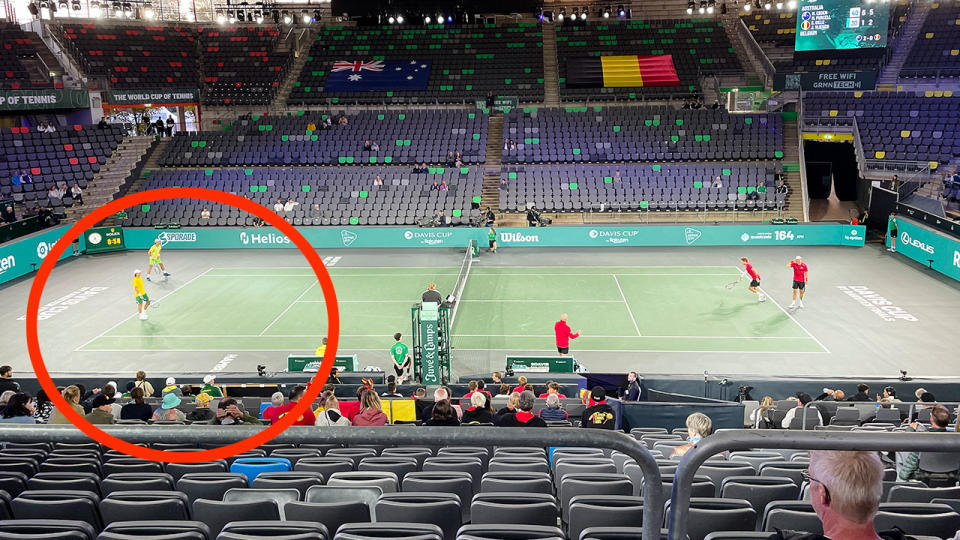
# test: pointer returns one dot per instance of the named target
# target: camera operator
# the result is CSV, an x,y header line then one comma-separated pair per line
x,y
533,217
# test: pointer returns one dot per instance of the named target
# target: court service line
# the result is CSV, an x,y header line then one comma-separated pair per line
x,y
237,336
412,301
630,311
191,280
792,318
472,350
284,312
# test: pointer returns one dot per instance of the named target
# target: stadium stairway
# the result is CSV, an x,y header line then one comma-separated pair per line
x,y
491,169
888,76
130,152
750,64
293,72
791,171
551,77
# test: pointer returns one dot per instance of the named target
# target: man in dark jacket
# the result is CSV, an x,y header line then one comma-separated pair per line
x,y
6,380
599,415
862,393
634,391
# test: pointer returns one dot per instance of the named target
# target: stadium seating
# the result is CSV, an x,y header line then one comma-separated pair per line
x,y
241,65
895,125
15,45
936,53
136,57
699,47
345,196
601,134
778,28
468,61
403,137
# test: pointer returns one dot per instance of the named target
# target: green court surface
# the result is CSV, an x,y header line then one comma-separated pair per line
x,y
630,309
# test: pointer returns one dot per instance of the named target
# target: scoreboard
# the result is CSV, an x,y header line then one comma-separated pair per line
x,y
824,25
104,239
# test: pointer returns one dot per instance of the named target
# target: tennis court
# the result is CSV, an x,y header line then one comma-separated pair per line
x,y
634,309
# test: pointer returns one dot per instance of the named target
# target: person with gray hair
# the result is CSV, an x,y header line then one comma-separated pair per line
x,y
553,412
845,490
524,416
699,426
272,412
478,412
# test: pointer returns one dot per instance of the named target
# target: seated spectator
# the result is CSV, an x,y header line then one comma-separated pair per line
x,y
101,410
5,398
553,387
374,147
717,183
77,194
524,417
511,406
831,395
378,181
471,388
477,412
371,413
229,413
202,413
908,463
919,392
366,146
435,186
334,377
19,410
278,206
443,186
521,383
330,415
209,387
443,414
307,417
26,177
889,395
43,407
392,390
845,490
599,415
137,410
553,412
290,205
450,158
168,411
53,194
270,413
764,412
698,427
205,213
102,124
72,395
342,120
171,387
862,393
802,400
504,390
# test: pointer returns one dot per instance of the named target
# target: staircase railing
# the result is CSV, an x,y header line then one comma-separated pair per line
x,y
803,163
757,52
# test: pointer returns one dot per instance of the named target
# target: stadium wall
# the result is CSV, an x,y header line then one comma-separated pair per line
x,y
23,256
928,247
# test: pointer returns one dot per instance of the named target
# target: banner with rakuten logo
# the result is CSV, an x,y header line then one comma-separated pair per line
x,y
929,247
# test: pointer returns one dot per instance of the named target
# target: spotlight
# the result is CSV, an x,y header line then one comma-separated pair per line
x,y
606,12
149,13
779,6
232,18
221,18
62,5
691,5
287,18
766,5
710,9
399,19
703,7
427,20
391,20
575,15
583,14
117,9
449,18
562,14
621,12
792,5
276,16
746,7
240,15
305,17
440,19
127,9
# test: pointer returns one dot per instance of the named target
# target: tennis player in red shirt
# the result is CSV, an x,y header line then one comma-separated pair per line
x,y
799,280
564,335
754,279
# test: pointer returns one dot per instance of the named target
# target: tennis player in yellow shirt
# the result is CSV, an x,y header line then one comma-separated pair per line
x,y
143,301
155,259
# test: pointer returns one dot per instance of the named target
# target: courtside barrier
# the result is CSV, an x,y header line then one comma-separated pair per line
x,y
747,439
653,498
928,247
24,255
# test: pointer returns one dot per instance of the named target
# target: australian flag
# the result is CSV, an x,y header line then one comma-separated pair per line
x,y
377,75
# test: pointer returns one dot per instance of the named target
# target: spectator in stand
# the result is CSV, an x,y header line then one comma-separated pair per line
x,y
919,392
451,157
271,413
6,380
143,384
862,393
908,463
717,183
306,418
378,181
374,147
831,395
290,205
503,184
497,377
511,406
137,410
202,413
764,412
342,120
524,417
478,413
553,412
366,145
168,411
170,125
101,410
102,124
782,188
443,186
698,427
330,415
210,387
504,390
392,390
205,213
229,413
278,206
634,393
553,387
521,383
5,398
435,186
471,389
802,400
371,413
599,415
845,490
77,194
443,414
889,395
334,377
171,387
19,410
53,195
72,395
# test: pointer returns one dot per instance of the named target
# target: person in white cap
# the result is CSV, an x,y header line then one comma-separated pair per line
x,y
143,301
210,388
154,252
799,280
171,388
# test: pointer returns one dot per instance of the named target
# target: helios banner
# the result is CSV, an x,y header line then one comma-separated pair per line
x,y
928,247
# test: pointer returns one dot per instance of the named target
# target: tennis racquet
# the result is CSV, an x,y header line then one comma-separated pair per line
x,y
731,285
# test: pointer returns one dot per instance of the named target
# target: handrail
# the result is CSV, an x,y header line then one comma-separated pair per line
x,y
858,148
653,499
744,439
803,160
768,68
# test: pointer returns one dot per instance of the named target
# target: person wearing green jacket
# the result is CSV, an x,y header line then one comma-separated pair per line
x,y
210,388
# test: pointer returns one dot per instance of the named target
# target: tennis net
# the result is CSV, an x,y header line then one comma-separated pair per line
x,y
461,282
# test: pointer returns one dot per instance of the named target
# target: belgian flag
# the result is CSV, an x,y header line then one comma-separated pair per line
x,y
621,71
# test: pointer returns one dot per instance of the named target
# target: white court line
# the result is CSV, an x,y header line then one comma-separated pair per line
x,y
630,311
473,275
472,350
788,314
284,312
464,301
333,275
137,314
240,336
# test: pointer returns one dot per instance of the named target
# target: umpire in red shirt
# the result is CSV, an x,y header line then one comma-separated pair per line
x,y
564,335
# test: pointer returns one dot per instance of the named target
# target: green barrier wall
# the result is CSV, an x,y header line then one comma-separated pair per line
x,y
17,258
922,245
396,237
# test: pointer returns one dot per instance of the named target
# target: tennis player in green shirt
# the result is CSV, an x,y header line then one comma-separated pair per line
x,y
492,237
401,360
